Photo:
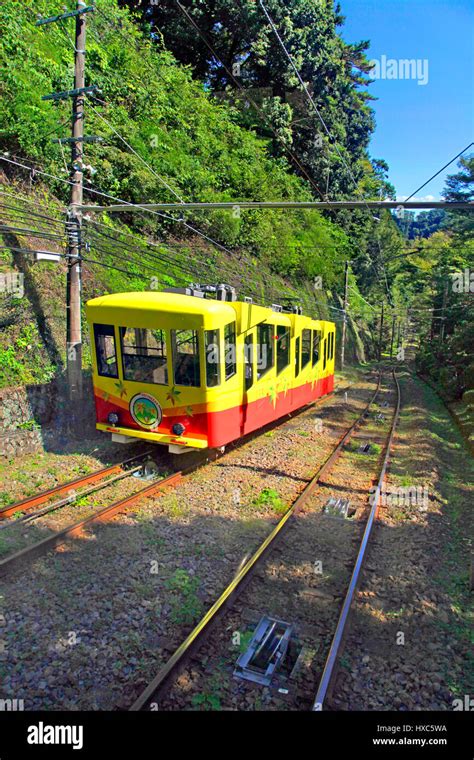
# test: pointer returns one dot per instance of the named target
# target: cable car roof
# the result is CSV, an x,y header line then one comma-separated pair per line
x,y
164,302
206,312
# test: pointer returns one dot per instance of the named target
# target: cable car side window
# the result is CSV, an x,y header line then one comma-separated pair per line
x,y
185,346
305,348
144,355
104,337
229,350
316,341
248,361
325,350
297,356
211,340
282,347
265,354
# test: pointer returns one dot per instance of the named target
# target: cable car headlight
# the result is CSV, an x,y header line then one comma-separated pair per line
x,y
178,428
113,418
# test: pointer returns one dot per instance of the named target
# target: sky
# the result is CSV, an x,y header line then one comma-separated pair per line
x,y
420,127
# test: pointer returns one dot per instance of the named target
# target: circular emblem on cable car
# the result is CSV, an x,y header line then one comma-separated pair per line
x,y
146,411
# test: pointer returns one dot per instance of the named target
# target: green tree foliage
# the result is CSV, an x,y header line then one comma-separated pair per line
x,y
236,44
460,187
195,145
439,281
421,225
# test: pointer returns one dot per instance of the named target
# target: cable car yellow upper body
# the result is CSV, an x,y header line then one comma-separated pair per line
x,y
195,372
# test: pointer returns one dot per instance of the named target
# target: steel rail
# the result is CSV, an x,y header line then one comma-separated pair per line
x,y
69,500
194,639
341,627
43,496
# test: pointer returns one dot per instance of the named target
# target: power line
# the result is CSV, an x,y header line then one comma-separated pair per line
x,y
125,203
29,250
165,262
40,218
33,233
135,237
163,257
362,297
135,262
66,256
107,195
435,175
31,202
129,204
150,168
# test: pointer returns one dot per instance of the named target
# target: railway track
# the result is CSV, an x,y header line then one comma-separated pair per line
x,y
101,478
188,651
98,476
330,667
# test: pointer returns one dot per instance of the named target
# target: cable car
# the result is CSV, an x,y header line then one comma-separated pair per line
x,y
190,371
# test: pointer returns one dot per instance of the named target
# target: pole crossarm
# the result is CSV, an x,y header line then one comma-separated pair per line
x,y
296,205
71,93
68,14
86,139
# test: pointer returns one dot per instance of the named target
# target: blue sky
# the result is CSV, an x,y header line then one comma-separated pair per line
x,y
419,127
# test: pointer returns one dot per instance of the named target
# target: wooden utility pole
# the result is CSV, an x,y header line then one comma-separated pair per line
x,y
74,223
442,329
344,321
394,321
381,332
73,290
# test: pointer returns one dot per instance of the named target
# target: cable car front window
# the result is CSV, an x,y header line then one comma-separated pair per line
x,y
105,350
185,345
144,355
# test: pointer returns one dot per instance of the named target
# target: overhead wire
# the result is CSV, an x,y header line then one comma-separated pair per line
x,y
332,139
438,172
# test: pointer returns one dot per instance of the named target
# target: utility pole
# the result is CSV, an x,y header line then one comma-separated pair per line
x,y
344,321
74,222
394,321
73,288
442,329
381,332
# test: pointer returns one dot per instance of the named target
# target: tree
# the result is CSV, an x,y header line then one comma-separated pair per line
x,y
421,225
243,43
460,187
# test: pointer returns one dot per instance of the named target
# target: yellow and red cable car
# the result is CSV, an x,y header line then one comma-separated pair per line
x,y
193,372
